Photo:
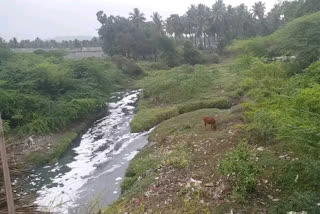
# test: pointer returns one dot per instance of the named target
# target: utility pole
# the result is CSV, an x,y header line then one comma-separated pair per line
x,y
6,172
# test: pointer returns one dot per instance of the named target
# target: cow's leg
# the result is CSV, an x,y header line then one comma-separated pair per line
x,y
214,126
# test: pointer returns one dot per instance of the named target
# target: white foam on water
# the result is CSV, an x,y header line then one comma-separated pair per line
x,y
129,157
61,197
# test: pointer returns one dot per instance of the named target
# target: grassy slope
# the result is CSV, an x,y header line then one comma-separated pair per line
x,y
181,149
184,89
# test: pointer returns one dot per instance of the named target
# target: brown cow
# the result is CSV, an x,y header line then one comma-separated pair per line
x,y
211,121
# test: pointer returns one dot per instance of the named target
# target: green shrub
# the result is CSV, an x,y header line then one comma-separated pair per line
x,y
179,158
51,53
191,55
128,66
38,95
211,58
159,66
171,59
241,167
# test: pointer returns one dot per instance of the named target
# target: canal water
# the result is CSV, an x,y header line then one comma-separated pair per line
x,y
89,175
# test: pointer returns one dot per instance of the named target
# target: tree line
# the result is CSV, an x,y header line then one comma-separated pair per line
x,y
208,28
39,43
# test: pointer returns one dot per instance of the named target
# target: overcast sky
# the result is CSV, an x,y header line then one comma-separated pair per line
x,y
27,19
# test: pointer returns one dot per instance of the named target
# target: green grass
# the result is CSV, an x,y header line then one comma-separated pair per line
x,y
45,93
168,93
283,116
54,153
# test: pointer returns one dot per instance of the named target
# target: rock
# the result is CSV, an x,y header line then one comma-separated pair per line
x,y
196,182
270,197
209,185
276,199
260,149
292,212
284,156
297,178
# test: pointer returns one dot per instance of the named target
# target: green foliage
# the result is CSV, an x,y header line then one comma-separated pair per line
x,y
142,166
51,53
159,66
176,84
179,158
41,94
191,55
127,66
148,118
300,38
284,112
127,183
299,201
211,58
241,167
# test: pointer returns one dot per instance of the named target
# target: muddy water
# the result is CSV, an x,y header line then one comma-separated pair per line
x,y
90,173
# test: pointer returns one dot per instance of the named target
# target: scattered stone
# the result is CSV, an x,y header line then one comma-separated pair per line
x,y
292,212
276,199
297,178
196,182
260,149
209,185
284,156
270,197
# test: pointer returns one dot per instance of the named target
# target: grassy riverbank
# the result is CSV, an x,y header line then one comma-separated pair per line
x,y
48,98
163,176
168,93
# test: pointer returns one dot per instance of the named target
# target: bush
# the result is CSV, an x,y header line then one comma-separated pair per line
x,y
38,95
211,58
159,66
128,66
51,53
171,59
191,55
241,167
179,158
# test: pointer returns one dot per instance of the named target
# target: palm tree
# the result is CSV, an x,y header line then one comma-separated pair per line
x,y
202,17
191,23
157,20
258,10
137,17
174,26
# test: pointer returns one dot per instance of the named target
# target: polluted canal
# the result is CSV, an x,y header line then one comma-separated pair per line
x,y
91,172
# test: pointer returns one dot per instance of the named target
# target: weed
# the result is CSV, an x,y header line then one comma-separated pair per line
x,y
241,167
